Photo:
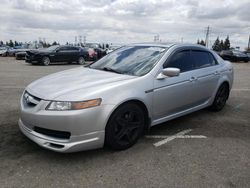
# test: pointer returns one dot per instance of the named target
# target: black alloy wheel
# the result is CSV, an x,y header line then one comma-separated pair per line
x,y
125,126
220,98
46,61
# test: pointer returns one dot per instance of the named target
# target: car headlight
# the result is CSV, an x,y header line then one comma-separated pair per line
x,y
64,105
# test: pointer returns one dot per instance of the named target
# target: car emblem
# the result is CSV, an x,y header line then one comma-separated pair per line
x,y
27,98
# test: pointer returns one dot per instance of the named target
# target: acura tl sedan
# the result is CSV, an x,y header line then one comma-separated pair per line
x,y
114,100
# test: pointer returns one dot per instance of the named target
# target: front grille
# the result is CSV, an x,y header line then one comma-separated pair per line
x,y
52,133
30,100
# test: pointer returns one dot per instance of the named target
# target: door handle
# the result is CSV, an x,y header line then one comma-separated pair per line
x,y
192,79
216,73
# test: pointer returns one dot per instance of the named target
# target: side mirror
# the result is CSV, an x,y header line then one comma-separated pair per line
x,y
168,72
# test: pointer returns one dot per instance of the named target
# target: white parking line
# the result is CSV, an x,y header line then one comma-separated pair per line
x,y
181,136
157,144
168,138
242,89
238,106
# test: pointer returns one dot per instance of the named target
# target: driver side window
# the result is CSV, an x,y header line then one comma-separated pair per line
x,y
181,60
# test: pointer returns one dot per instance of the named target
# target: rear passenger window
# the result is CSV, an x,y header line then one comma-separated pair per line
x,y
212,59
202,59
74,48
181,60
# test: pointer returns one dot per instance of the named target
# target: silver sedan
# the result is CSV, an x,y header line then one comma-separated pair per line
x,y
112,101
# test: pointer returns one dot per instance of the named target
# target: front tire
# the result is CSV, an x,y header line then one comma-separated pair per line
x,y
46,61
220,98
125,126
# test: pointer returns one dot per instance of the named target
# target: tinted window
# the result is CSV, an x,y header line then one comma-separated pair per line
x,y
201,59
74,48
181,60
63,48
212,59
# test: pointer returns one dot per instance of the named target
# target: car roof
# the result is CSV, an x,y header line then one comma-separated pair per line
x,y
168,45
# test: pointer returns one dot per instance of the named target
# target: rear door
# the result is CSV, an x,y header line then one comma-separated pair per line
x,y
74,53
206,73
61,54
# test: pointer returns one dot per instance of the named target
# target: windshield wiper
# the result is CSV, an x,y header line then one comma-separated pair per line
x,y
111,70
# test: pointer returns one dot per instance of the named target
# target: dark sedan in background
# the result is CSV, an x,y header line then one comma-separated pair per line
x,y
234,55
55,54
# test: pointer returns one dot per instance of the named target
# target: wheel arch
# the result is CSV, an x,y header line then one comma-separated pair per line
x,y
228,86
141,104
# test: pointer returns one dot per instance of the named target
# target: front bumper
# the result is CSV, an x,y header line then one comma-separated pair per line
x,y
86,142
86,127
32,59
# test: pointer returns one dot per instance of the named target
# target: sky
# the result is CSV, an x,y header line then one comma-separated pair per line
x,y
125,21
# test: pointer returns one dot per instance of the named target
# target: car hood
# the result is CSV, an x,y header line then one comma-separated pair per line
x,y
36,51
55,85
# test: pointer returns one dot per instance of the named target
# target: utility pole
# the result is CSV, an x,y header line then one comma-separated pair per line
x,y
75,40
84,39
248,48
207,35
157,38
80,40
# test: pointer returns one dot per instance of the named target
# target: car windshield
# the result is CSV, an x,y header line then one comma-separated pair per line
x,y
51,48
131,60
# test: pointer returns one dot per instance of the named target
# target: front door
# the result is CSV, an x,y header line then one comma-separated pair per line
x,y
175,94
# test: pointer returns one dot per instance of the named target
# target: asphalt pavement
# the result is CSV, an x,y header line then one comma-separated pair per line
x,y
206,149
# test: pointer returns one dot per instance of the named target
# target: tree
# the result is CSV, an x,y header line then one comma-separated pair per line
x,y
221,45
216,46
55,43
11,44
198,41
226,43
16,43
202,43
1,43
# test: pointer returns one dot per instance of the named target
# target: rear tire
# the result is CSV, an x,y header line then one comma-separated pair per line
x,y
81,61
220,98
125,126
46,61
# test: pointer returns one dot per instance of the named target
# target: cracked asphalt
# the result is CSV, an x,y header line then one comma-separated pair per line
x,y
220,160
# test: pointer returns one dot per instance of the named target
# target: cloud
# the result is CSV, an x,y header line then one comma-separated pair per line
x,y
124,21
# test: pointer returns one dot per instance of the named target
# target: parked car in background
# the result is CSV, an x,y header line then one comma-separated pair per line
x,y
112,48
99,51
55,54
4,51
23,48
248,54
130,90
234,55
92,54
20,55
16,49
